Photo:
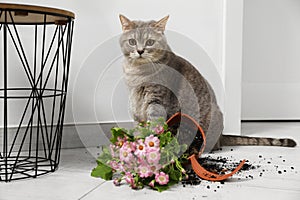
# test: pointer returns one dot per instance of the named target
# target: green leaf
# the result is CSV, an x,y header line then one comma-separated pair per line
x,y
145,132
161,121
183,148
102,171
105,155
161,188
117,132
175,175
165,126
165,138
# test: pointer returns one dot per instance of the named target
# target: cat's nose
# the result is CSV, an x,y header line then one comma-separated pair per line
x,y
140,52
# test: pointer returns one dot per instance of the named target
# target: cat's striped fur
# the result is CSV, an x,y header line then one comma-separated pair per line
x,y
231,140
161,83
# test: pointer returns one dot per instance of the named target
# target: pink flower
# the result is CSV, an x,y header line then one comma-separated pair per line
x,y
129,178
159,129
112,149
144,171
186,177
162,178
126,151
152,142
125,154
155,168
120,141
153,156
140,148
132,146
129,145
114,165
130,165
117,182
151,184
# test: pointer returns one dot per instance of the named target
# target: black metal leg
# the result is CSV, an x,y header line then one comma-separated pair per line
x,y
5,97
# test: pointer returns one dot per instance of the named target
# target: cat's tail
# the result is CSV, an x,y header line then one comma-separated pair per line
x,y
233,140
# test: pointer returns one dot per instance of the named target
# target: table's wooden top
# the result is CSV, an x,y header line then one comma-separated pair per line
x,y
31,14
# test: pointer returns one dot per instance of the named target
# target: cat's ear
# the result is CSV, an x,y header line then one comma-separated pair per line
x,y
126,23
161,24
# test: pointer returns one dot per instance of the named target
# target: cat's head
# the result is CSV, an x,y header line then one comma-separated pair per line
x,y
143,42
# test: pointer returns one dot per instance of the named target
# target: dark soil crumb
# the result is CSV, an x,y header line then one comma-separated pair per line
x,y
193,179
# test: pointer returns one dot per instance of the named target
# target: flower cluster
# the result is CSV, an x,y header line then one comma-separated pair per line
x,y
147,155
141,156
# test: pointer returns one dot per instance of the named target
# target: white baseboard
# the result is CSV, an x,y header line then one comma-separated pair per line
x,y
74,136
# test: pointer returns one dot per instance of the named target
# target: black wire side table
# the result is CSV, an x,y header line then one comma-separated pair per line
x,y
35,51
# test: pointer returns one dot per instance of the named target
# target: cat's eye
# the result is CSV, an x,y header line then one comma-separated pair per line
x,y
132,42
150,42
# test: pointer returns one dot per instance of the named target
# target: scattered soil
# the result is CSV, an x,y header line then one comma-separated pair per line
x,y
219,165
223,165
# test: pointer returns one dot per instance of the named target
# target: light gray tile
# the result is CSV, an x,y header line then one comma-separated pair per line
x,y
73,181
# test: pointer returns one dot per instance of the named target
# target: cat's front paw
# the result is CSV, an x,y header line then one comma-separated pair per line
x,y
156,111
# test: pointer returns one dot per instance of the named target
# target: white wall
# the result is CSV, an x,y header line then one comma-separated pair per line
x,y
271,59
96,25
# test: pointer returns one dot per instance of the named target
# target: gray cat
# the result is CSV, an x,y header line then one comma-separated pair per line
x,y
161,83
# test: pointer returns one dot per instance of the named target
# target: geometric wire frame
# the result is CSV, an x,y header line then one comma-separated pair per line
x,y
33,89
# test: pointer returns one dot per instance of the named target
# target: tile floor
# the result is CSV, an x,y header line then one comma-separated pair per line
x,y
277,178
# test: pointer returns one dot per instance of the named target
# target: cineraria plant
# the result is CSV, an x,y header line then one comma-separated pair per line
x,y
148,155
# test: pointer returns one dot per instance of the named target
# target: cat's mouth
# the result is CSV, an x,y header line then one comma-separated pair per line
x,y
139,57
143,58
139,60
